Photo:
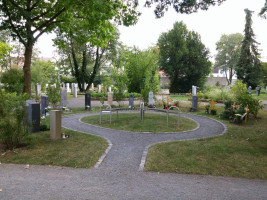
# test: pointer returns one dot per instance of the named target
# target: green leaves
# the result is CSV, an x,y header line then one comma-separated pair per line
x,y
183,57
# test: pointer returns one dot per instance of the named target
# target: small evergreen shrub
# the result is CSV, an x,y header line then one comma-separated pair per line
x,y
13,123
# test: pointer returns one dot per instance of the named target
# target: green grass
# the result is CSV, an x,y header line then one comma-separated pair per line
x,y
132,122
241,152
79,151
179,97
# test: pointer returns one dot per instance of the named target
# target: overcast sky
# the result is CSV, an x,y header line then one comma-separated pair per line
x,y
225,19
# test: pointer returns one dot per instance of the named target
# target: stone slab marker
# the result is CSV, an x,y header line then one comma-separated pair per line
x,y
38,89
34,116
64,100
88,101
249,89
75,90
110,98
44,104
150,98
55,124
194,90
131,100
68,87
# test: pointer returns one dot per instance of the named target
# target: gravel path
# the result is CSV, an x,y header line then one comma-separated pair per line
x,y
119,175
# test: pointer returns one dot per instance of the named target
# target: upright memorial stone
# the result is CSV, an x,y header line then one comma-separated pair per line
x,y
99,88
75,90
68,87
87,101
38,89
55,124
34,116
194,90
249,89
150,99
109,89
258,90
194,97
131,100
64,100
110,98
44,104
72,88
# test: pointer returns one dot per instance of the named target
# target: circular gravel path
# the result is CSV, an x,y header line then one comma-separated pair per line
x,y
118,176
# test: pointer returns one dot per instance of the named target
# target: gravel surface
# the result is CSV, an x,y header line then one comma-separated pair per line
x,y
118,176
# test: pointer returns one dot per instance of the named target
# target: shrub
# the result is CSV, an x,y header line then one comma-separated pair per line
x,y
13,79
54,97
13,125
244,99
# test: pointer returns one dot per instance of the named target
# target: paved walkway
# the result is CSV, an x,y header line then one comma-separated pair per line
x,y
119,175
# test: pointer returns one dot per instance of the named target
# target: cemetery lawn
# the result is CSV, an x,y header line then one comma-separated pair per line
x,y
240,152
179,97
79,151
151,123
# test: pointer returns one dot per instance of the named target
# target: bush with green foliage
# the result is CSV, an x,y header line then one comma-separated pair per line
x,y
244,99
13,80
54,97
13,125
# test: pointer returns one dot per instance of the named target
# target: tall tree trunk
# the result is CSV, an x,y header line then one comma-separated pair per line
x,y
95,69
230,75
27,69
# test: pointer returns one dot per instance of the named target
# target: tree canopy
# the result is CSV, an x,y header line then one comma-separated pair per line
x,y
183,57
28,20
228,47
181,6
249,67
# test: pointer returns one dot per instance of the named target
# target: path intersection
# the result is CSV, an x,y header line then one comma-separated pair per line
x,y
120,173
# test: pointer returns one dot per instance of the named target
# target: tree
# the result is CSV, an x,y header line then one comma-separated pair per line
x,y
13,80
181,6
44,72
183,57
28,20
142,70
82,57
5,50
228,47
264,69
264,10
249,67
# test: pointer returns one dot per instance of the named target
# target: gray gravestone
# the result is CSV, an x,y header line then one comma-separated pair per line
x,y
249,89
68,87
44,104
34,116
99,88
55,124
88,101
150,98
72,88
75,90
194,102
64,100
131,100
194,90
110,98
38,89
258,90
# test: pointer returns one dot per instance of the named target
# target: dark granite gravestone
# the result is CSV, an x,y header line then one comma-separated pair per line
x,y
44,104
131,100
34,116
194,102
88,101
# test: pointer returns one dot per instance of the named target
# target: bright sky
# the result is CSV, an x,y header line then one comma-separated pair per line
x,y
225,19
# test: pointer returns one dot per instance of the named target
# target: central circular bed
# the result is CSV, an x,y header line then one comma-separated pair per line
x,y
132,122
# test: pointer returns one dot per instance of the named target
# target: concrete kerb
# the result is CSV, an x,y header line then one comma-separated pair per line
x,y
144,156
145,152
